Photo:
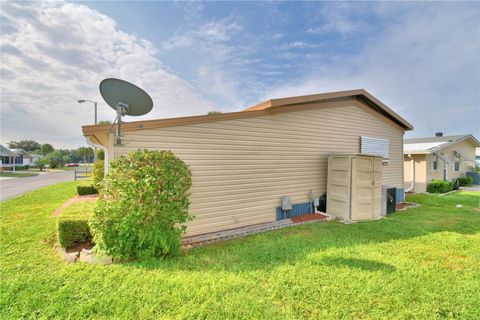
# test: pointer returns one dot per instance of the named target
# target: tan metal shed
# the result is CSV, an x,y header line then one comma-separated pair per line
x,y
354,187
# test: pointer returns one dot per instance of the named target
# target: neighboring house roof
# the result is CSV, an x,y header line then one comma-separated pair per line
x,y
5,152
265,108
21,151
433,144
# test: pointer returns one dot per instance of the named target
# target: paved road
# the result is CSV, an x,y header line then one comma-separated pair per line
x,y
15,187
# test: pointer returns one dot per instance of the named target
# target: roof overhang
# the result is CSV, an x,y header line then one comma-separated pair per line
x,y
274,106
441,146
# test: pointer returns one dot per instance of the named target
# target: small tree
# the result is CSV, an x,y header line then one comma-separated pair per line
x,y
41,163
143,205
56,159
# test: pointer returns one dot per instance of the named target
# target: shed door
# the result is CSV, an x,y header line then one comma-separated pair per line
x,y
363,188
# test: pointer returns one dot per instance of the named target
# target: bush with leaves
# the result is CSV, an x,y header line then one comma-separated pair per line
x,y
143,205
98,172
465,181
439,186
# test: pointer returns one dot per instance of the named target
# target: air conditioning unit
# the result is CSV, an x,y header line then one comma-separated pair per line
x,y
389,200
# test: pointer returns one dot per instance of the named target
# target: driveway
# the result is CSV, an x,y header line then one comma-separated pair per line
x,y
12,188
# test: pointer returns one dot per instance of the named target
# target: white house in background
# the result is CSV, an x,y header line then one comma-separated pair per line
x,y
7,157
440,158
19,157
23,158
477,157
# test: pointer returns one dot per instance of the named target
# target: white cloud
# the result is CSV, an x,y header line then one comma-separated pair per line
x,y
217,61
55,53
426,67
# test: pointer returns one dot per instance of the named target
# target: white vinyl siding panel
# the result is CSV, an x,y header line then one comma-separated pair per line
x,y
374,146
241,168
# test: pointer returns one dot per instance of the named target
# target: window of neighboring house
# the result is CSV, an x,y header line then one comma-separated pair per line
x,y
19,159
457,162
434,162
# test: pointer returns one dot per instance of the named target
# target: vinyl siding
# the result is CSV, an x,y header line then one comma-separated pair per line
x,y
241,168
420,172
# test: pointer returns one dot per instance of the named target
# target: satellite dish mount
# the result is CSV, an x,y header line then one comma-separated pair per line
x,y
127,99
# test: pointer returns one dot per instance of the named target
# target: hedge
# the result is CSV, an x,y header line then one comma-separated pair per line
x,y
439,186
86,187
465,181
73,224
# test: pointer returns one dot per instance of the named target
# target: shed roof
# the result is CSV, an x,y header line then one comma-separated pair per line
x,y
428,145
265,108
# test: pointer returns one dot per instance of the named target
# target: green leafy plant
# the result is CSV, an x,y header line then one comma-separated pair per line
x,y
143,206
98,172
439,186
41,163
73,226
465,181
83,190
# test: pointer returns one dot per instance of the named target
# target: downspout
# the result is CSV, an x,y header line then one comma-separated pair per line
x,y
106,161
413,175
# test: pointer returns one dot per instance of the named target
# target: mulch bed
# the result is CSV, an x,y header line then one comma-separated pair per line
x,y
308,217
69,202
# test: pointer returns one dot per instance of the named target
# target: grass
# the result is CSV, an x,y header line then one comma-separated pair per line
x,y
423,263
17,174
80,208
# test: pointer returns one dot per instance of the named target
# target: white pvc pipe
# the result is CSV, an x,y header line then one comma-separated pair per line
x,y
413,175
106,160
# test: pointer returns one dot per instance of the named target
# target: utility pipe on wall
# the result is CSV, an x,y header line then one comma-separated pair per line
x,y
413,174
106,161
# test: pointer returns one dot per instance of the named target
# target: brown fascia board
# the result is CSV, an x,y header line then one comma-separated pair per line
x,y
265,108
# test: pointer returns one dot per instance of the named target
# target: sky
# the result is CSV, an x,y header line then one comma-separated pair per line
x,y
422,59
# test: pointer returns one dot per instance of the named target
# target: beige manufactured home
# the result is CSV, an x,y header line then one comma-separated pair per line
x,y
243,162
440,158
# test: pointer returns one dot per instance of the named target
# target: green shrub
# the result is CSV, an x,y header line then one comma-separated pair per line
x,y
143,206
73,224
465,181
20,167
98,172
439,186
83,190
100,154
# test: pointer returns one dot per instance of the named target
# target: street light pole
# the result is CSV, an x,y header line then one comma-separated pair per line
x,y
95,105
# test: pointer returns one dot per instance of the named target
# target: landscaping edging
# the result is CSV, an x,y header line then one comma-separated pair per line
x,y
214,237
85,255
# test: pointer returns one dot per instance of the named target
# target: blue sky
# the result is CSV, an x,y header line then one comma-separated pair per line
x,y
421,59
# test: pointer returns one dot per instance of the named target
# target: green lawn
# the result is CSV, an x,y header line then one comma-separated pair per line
x,y
420,264
17,174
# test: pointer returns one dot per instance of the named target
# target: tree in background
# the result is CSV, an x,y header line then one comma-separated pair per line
x,y
46,149
27,145
211,113
56,159
41,163
84,154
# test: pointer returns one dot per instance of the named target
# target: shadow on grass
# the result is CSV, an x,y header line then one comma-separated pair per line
x,y
269,250
362,264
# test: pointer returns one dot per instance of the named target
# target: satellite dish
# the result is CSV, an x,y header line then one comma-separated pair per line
x,y
126,98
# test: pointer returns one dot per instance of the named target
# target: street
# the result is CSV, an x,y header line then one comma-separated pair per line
x,y
12,188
